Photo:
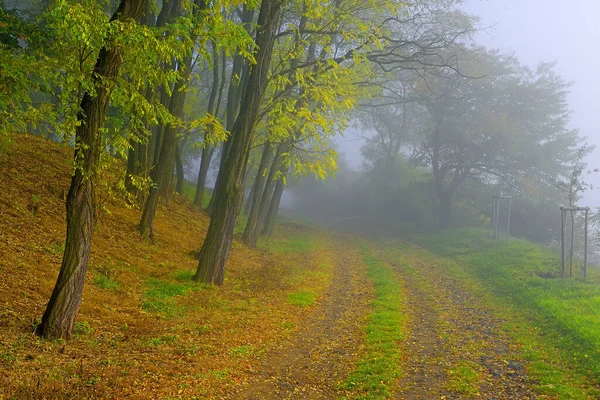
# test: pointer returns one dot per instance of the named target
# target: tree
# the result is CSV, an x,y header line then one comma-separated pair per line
x,y
508,123
229,194
163,170
59,317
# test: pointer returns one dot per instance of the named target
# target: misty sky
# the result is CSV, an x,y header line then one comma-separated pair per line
x,y
544,30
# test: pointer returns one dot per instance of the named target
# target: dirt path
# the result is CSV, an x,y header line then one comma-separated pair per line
x,y
321,354
455,347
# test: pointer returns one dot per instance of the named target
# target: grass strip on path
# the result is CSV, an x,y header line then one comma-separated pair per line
x,y
379,365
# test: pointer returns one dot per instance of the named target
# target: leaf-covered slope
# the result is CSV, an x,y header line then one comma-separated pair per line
x,y
144,329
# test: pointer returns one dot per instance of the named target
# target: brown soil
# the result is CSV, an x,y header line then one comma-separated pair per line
x,y
314,360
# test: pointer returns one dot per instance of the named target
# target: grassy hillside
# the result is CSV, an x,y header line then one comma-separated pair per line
x,y
144,329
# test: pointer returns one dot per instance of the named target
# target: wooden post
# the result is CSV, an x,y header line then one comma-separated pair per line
x,y
496,203
563,250
585,245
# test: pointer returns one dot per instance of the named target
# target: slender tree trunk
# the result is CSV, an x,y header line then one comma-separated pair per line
x,y
247,178
271,216
572,246
138,143
213,107
207,153
252,230
132,165
59,317
248,205
169,11
179,168
234,96
230,193
162,173
267,195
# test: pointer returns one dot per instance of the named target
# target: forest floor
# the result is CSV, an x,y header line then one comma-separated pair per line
x,y
310,314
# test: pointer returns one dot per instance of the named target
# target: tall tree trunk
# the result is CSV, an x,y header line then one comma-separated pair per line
x,y
230,193
234,96
248,204
59,317
572,245
271,216
267,195
213,107
138,163
138,142
162,173
252,230
179,168
248,177
169,11
207,153
132,165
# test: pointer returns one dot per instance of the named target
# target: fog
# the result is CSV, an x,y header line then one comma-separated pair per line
x,y
534,32
553,30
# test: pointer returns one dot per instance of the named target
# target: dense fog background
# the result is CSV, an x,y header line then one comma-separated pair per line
x,y
536,31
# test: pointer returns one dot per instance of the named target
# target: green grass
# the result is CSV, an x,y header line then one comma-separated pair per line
x,y
162,340
557,321
378,367
82,328
302,299
298,243
160,296
106,282
463,379
189,192
242,351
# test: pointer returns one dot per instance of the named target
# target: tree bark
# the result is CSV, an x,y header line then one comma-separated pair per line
x,y
138,162
137,157
179,168
213,107
267,195
59,317
234,96
230,193
169,11
271,216
252,229
162,174
207,153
